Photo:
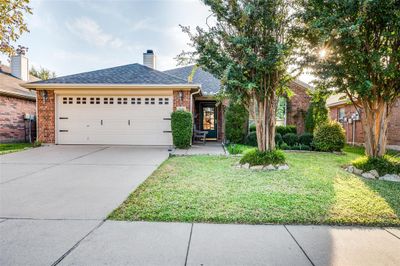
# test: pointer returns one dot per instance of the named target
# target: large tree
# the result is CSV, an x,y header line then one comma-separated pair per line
x,y
42,73
354,49
249,48
12,23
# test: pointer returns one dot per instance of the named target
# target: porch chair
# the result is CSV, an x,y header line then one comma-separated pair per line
x,y
199,135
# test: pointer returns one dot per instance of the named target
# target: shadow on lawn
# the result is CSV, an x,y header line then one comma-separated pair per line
x,y
389,191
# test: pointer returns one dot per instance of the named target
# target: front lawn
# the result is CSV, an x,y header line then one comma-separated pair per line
x,y
13,147
316,190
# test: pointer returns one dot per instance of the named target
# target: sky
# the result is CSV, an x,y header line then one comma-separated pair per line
x,y
73,36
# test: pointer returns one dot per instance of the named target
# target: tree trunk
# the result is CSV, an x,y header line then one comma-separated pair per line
x,y
375,117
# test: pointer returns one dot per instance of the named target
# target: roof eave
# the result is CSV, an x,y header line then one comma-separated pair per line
x,y
18,95
35,86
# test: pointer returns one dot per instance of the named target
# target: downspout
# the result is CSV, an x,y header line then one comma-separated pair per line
x,y
191,108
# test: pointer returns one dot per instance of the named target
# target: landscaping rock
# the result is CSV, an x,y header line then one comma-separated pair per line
x,y
374,173
390,177
368,175
269,167
350,169
257,167
283,167
357,171
246,166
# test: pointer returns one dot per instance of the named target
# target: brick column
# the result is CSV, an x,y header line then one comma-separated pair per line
x,y
182,102
46,117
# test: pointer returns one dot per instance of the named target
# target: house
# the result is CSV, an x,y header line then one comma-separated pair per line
x,y
17,104
128,104
342,110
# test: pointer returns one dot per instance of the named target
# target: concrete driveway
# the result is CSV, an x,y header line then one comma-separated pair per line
x,y
52,196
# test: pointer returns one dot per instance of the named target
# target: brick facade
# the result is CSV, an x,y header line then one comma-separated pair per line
x,y
297,107
46,117
12,123
356,129
183,101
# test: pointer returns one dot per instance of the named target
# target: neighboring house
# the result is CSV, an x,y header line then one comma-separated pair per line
x,y
128,104
342,110
17,104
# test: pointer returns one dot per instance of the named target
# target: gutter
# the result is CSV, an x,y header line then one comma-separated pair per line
x,y
50,86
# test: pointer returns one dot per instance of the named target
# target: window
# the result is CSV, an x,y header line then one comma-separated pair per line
x,y
105,100
152,101
125,101
166,101
341,114
146,100
91,100
119,100
65,100
84,100
133,101
70,100
138,100
160,100
78,100
111,101
208,118
97,100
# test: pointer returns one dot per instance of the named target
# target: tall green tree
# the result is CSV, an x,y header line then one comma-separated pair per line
x,y
353,47
249,48
42,73
12,23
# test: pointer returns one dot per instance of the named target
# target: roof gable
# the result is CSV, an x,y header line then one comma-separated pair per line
x,y
210,85
127,74
10,85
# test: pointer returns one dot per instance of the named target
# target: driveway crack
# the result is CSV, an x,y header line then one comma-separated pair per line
x,y
188,248
298,244
77,244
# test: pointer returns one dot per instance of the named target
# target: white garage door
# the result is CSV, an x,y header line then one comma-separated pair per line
x,y
143,120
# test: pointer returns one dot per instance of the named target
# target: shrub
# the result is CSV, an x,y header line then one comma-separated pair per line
x,y
329,137
236,118
306,139
283,130
384,165
251,139
237,148
278,139
252,128
37,143
290,139
284,146
256,157
182,128
305,147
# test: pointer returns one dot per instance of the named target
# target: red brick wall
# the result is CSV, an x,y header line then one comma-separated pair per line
x,y
45,117
393,127
185,101
297,107
12,124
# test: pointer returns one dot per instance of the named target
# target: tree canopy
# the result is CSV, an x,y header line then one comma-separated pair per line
x,y
249,47
353,47
12,23
42,73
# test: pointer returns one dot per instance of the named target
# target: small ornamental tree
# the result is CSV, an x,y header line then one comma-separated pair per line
x,y
354,48
182,128
236,120
317,113
249,48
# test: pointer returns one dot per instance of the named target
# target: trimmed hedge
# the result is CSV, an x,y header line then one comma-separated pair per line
x,y
236,117
251,139
256,157
278,139
383,165
290,139
182,128
306,139
329,137
283,130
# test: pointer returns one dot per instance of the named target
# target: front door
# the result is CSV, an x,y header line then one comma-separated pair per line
x,y
208,119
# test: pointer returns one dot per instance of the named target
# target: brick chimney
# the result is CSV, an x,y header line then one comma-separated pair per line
x,y
20,64
149,59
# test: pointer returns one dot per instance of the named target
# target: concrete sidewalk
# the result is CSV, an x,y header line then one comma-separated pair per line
x,y
147,243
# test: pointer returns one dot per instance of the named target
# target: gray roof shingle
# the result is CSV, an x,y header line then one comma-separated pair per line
x,y
210,85
127,74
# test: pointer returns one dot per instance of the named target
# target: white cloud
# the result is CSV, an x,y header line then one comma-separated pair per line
x,y
89,31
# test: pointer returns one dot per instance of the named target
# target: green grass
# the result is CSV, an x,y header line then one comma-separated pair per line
x,y
315,190
13,147
360,150
238,148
